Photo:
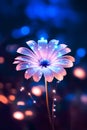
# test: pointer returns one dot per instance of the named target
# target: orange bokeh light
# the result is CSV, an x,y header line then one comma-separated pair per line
x,y
18,115
3,99
11,97
79,73
28,113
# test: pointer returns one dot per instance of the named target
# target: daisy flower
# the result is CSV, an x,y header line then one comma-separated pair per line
x,y
43,58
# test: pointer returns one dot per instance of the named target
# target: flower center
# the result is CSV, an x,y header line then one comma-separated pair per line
x,y
44,63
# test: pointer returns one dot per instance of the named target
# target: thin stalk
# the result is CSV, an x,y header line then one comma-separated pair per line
x,y
47,104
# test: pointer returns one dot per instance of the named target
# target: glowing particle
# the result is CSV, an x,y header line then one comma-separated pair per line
x,y
22,89
34,101
29,94
54,110
54,105
55,99
54,91
54,116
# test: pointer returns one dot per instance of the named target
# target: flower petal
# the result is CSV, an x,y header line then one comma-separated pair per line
x,y
26,59
16,62
60,52
69,58
58,72
34,47
63,62
37,76
30,72
22,58
63,52
23,65
25,51
52,45
48,74
43,48
58,76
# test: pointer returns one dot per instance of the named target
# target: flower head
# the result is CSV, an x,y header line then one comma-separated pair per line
x,y
44,58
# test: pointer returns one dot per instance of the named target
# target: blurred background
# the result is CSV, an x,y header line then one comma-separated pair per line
x,y
22,102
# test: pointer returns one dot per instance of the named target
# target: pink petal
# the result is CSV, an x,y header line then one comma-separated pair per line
x,y
25,51
63,52
60,53
22,66
52,46
43,48
58,70
22,58
26,59
37,76
69,58
30,72
63,62
58,76
16,62
34,47
48,75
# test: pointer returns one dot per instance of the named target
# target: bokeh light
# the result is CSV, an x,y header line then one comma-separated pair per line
x,y
12,48
18,115
79,73
20,103
21,21
83,98
2,60
11,97
20,32
37,90
3,99
81,52
29,113
70,97
25,30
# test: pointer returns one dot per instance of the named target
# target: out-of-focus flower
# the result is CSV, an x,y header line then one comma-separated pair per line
x,y
44,58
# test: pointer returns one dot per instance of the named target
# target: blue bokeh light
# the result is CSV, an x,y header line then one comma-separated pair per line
x,y
70,97
51,11
41,11
81,52
25,30
21,32
35,10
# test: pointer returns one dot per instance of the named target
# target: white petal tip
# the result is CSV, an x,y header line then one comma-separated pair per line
x,y
29,42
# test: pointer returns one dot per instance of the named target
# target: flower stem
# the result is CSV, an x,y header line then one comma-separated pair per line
x,y
47,103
